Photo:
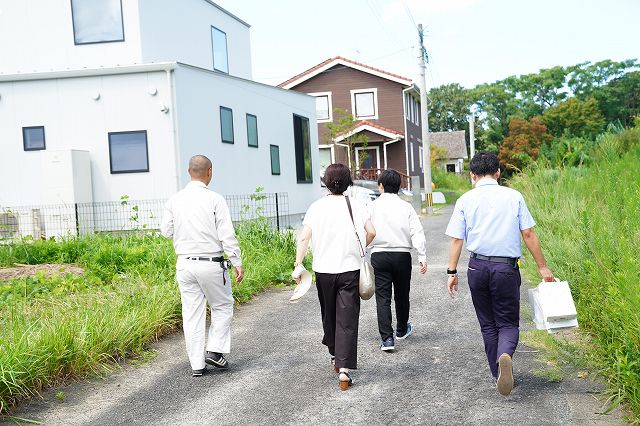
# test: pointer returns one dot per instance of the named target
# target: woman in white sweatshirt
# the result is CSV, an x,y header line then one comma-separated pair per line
x,y
398,229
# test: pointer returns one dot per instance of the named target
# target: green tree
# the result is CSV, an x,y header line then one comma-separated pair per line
x,y
619,100
521,146
449,106
539,91
496,105
574,118
586,77
342,124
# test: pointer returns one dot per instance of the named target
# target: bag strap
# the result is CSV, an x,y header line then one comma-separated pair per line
x,y
346,197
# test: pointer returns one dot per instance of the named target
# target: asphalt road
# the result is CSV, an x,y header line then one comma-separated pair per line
x,y
280,372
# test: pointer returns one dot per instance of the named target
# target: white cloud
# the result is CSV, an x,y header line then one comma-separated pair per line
x,y
424,8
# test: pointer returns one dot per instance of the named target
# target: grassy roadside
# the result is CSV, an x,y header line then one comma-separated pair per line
x,y
53,329
452,185
589,225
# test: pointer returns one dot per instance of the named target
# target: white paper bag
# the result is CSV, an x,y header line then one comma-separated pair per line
x,y
552,306
556,301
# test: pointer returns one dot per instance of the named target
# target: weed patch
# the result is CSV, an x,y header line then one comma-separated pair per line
x,y
57,326
589,224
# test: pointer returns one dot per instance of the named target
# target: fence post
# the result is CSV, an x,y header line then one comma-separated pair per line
x,y
77,220
277,213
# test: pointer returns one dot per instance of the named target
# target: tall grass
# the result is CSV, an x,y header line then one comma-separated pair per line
x,y
452,185
268,257
66,326
589,224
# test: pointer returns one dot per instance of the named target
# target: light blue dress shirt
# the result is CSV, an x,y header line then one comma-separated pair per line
x,y
489,218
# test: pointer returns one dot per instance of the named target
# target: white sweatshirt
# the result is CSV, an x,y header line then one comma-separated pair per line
x,y
398,227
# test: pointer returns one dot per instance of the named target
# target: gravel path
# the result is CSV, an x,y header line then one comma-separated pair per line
x,y
281,373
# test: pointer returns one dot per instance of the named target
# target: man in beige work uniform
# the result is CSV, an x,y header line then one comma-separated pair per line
x,y
199,222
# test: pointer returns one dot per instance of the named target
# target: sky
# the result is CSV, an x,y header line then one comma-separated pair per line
x,y
468,41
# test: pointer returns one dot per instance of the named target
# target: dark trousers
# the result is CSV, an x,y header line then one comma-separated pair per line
x,y
495,291
393,272
340,309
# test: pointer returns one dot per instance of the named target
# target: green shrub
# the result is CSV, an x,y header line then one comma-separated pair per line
x,y
52,328
268,257
589,225
450,182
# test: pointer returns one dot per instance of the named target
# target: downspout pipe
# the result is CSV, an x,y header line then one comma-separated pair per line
x,y
348,151
384,149
173,110
406,136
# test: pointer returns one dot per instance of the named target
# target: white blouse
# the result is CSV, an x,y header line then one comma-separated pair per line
x,y
333,239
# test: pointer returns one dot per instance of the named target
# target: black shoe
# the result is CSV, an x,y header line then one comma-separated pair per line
x,y
406,334
216,359
387,344
198,373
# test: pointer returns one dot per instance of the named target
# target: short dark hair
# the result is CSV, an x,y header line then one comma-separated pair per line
x,y
337,177
484,163
390,181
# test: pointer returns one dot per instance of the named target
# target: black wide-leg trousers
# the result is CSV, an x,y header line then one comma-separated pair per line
x,y
393,275
340,310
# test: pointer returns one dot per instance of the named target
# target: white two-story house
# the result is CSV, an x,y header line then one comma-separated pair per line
x,y
105,98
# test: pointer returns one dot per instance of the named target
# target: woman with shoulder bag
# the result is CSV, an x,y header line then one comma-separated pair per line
x,y
336,261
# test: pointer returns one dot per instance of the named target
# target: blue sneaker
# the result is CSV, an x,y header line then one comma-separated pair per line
x,y
387,344
406,334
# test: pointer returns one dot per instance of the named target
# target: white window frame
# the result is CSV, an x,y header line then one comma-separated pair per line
x,y
329,101
375,103
364,148
421,157
413,162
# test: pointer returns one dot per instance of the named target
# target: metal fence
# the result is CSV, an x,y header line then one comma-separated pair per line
x,y
66,220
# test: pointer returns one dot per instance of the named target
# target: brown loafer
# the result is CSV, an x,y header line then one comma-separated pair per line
x,y
505,375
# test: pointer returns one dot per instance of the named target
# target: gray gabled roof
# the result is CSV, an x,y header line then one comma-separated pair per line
x,y
453,142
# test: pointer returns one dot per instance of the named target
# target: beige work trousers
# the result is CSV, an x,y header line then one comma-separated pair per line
x,y
201,282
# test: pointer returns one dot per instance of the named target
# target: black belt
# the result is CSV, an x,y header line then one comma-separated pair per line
x,y
207,258
224,263
497,259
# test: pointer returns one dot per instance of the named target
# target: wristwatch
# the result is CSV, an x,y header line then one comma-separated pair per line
x,y
452,272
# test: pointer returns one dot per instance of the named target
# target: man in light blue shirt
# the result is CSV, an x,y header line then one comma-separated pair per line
x,y
491,218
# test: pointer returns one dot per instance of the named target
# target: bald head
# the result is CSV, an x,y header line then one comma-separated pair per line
x,y
200,168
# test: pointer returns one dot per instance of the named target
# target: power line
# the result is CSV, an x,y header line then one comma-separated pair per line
x,y
374,6
409,14
390,54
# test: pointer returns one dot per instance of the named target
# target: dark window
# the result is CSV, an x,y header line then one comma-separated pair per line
x,y
451,168
128,152
97,21
226,124
219,43
302,141
33,138
275,159
252,130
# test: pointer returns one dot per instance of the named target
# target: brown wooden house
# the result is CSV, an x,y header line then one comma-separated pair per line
x,y
386,108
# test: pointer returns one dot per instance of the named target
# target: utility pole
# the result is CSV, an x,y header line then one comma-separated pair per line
x,y
472,137
426,146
